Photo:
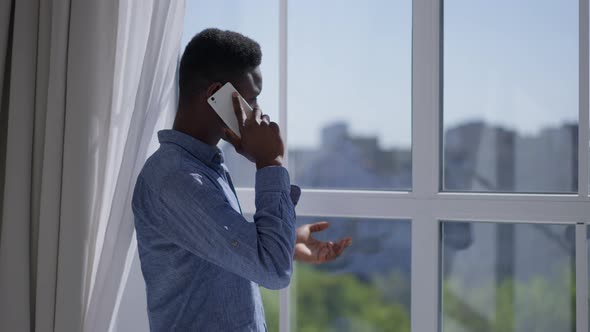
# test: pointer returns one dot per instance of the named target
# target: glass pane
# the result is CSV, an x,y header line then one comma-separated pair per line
x,y
507,277
237,15
366,289
510,96
349,98
271,303
270,300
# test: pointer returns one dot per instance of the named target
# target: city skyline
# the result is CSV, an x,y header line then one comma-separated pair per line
x,y
477,156
334,71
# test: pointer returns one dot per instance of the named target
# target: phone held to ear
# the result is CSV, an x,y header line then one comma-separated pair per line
x,y
222,103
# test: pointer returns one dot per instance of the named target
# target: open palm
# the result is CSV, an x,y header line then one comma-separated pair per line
x,y
310,250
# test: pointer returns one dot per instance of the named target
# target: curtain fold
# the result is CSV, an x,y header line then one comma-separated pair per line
x,y
6,33
90,72
56,14
16,308
144,100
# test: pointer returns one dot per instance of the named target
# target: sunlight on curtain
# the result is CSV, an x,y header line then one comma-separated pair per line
x,y
144,101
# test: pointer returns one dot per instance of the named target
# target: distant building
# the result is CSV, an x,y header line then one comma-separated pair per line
x,y
351,162
480,157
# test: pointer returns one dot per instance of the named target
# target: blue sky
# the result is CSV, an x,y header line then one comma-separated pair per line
x,y
513,63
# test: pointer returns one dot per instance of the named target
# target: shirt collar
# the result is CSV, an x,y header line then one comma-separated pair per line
x,y
210,155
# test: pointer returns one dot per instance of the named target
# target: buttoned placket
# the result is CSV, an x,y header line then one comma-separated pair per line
x,y
218,167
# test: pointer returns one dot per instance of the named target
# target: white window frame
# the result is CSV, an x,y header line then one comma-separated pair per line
x,y
426,205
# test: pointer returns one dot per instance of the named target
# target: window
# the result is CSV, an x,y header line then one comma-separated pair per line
x,y
442,136
367,289
500,277
511,96
349,94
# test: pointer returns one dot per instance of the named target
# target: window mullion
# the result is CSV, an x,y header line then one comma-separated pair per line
x,y
284,294
426,124
426,97
584,87
581,278
583,168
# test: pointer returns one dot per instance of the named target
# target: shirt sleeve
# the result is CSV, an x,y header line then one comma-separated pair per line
x,y
197,216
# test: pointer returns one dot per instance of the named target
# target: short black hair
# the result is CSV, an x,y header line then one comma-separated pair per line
x,y
215,55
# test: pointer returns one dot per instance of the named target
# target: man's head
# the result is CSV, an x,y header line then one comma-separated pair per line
x,y
212,58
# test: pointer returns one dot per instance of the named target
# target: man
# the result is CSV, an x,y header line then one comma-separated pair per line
x,y
201,260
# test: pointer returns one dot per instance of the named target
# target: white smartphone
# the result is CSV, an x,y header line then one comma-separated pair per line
x,y
222,103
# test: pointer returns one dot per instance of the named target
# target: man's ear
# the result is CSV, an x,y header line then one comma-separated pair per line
x,y
212,88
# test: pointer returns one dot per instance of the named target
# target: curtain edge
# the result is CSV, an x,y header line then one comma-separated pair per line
x,y
4,94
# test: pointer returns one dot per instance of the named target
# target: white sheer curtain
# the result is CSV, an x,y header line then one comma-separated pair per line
x,y
144,101
86,84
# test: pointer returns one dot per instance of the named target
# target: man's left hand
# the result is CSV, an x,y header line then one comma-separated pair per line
x,y
312,251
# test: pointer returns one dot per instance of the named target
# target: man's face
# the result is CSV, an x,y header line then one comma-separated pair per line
x,y
250,86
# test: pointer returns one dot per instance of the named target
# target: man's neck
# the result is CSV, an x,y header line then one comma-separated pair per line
x,y
197,129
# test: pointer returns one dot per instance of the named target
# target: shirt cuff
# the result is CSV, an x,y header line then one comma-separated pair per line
x,y
272,178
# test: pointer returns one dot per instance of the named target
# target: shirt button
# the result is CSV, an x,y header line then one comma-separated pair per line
x,y
234,243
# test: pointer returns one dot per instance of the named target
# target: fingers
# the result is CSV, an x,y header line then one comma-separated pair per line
x,y
275,127
257,115
266,119
240,114
342,245
319,226
331,250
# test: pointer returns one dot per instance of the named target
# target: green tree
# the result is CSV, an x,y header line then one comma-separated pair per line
x,y
342,302
328,302
270,300
537,304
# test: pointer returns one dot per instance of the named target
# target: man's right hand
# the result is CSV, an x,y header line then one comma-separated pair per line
x,y
261,140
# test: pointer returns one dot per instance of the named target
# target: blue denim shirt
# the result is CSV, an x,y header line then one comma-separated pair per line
x,y
202,261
